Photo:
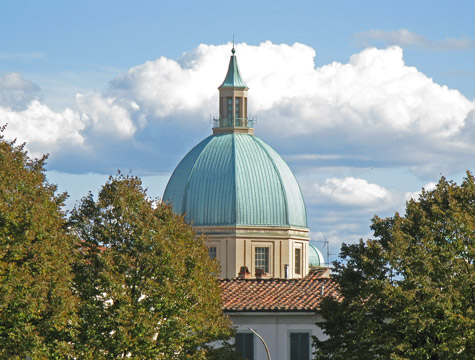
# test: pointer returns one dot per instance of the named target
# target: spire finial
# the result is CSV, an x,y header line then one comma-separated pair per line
x,y
233,51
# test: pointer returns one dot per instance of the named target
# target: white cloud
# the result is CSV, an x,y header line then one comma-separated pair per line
x,y
374,96
72,132
404,37
44,130
167,87
373,93
17,92
188,86
350,191
373,107
105,116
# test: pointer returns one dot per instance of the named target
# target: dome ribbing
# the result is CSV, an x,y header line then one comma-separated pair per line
x,y
236,179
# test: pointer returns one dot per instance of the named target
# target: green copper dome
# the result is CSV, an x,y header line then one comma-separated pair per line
x,y
236,179
315,258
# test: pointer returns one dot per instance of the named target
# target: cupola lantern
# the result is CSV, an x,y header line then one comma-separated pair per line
x,y
233,116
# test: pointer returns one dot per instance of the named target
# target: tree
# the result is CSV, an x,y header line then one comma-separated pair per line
x,y
146,283
37,307
222,351
410,292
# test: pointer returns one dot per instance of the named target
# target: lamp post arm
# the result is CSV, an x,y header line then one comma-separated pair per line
x,y
263,342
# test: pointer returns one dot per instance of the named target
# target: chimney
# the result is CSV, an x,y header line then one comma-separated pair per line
x,y
322,289
260,273
286,271
244,273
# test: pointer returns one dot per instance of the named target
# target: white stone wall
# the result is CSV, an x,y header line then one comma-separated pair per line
x,y
275,328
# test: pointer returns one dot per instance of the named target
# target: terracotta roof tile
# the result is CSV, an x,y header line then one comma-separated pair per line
x,y
277,294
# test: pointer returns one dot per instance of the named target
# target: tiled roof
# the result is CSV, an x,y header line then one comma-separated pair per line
x,y
277,295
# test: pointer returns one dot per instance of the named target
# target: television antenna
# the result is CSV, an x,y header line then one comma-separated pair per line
x,y
326,244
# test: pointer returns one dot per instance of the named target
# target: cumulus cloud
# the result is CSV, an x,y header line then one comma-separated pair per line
x,y
104,116
375,105
44,130
404,37
16,92
372,108
97,119
350,191
167,87
373,93
187,87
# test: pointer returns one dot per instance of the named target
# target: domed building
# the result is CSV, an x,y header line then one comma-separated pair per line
x,y
315,258
235,189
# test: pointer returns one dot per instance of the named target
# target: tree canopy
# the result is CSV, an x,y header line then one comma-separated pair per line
x,y
147,285
409,293
37,307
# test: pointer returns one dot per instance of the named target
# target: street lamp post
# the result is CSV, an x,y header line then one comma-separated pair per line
x,y
263,342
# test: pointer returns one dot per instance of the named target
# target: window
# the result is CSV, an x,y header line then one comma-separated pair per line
x,y
298,257
299,346
245,345
262,258
212,252
237,112
221,107
230,108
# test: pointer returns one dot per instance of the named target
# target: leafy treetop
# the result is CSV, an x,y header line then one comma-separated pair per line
x,y
146,283
408,293
37,307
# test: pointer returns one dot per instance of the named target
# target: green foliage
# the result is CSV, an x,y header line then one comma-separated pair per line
x,y
225,351
409,293
37,306
145,281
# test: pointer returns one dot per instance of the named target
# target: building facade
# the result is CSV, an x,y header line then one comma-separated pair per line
x,y
284,312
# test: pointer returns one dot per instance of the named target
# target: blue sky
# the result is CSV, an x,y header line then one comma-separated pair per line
x,y
367,101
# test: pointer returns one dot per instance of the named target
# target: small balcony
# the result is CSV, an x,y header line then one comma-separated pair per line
x,y
221,122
